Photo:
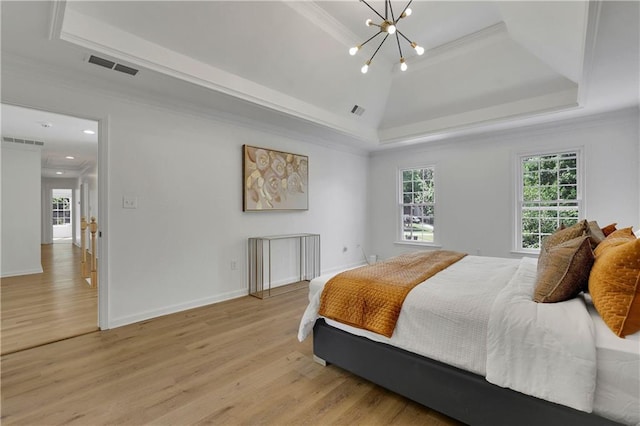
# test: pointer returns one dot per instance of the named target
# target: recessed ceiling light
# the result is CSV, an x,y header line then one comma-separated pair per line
x,y
59,173
70,157
89,132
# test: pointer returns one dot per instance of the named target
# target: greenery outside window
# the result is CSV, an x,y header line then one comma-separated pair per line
x,y
549,196
417,204
61,211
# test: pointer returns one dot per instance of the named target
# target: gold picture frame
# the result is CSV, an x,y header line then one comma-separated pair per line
x,y
274,180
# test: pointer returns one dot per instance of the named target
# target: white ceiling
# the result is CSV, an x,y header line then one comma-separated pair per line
x,y
487,64
63,136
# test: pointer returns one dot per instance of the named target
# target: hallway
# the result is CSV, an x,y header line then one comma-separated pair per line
x,y
42,308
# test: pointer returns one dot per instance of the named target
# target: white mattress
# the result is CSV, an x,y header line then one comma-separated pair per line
x,y
460,339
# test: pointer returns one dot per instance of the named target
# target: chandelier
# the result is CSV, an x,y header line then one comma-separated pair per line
x,y
388,27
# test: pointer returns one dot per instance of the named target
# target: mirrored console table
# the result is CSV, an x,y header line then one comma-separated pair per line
x,y
261,252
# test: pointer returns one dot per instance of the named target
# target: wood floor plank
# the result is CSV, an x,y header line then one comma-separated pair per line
x,y
232,363
42,308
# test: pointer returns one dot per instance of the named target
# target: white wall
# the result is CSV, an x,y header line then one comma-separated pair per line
x,y
475,181
175,250
20,210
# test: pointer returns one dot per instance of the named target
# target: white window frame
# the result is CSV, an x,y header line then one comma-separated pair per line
x,y
401,204
519,196
66,220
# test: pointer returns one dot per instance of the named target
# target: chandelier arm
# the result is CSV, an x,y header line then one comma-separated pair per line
x,y
393,19
399,48
381,43
404,10
374,11
403,36
371,38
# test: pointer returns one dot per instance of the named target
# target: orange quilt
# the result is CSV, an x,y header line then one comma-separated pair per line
x,y
370,297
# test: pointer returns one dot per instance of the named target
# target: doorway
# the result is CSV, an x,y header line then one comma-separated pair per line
x,y
58,303
62,219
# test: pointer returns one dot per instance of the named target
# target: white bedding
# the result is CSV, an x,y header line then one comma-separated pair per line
x,y
445,318
546,350
467,291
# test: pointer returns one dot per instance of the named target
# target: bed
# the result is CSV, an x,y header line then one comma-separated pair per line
x,y
450,354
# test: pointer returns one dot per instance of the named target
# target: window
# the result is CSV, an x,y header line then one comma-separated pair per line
x,y
549,195
61,211
417,204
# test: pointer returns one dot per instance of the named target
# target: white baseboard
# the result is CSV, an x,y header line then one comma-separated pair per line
x,y
172,309
25,272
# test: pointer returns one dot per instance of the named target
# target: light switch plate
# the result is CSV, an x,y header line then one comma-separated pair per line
x,y
129,202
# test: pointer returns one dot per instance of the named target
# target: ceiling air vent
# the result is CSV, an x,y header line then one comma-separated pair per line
x,y
96,60
125,69
22,141
357,110
101,61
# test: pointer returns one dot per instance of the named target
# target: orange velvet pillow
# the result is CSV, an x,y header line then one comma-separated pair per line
x,y
616,238
614,284
609,229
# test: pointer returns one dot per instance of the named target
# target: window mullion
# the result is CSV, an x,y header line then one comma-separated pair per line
x,y
545,195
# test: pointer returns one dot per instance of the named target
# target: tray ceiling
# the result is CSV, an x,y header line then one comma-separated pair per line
x,y
484,62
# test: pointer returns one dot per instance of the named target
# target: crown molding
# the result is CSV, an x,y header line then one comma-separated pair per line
x,y
95,35
461,46
325,21
588,49
563,124
433,129
57,19
28,68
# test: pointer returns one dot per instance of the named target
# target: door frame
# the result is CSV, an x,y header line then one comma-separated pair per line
x,y
103,211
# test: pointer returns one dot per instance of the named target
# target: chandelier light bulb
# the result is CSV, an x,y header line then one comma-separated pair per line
x,y
386,27
406,13
419,49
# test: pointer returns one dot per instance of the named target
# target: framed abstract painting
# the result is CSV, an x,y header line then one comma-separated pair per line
x,y
274,180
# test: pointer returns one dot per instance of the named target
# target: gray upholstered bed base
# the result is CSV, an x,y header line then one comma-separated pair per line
x,y
457,393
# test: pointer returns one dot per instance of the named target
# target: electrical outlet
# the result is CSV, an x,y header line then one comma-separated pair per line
x,y
129,202
234,265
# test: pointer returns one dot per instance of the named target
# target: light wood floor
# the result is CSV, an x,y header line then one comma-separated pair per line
x,y
42,308
236,362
